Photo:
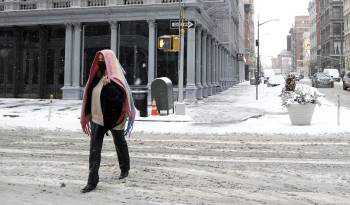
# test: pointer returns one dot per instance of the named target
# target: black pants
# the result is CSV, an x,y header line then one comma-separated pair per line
x,y
97,134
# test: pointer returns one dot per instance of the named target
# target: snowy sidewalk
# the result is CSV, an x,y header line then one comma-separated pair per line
x,y
232,111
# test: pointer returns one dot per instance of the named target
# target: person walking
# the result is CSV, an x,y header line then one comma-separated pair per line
x,y
107,106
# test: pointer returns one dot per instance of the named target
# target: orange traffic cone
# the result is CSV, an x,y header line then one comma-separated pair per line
x,y
154,107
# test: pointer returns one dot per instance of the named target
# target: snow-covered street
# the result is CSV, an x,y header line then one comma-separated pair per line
x,y
46,167
228,149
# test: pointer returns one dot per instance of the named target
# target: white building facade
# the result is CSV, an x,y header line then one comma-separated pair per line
x,y
47,46
346,34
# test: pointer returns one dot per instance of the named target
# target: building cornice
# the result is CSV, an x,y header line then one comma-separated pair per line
x,y
92,14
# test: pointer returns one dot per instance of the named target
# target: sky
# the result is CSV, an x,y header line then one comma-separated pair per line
x,y
273,34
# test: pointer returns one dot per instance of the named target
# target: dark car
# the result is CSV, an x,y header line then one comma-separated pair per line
x,y
346,80
322,80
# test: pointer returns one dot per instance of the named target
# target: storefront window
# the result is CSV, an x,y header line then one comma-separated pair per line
x,y
50,66
133,50
30,58
97,37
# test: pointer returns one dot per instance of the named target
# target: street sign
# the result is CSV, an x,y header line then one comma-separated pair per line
x,y
174,24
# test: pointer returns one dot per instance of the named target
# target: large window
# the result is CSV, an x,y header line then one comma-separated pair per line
x,y
337,29
133,50
96,37
337,48
338,12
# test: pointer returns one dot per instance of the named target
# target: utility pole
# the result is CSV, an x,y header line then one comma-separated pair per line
x,y
257,78
180,108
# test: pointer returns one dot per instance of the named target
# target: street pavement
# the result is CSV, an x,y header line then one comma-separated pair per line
x,y
50,166
46,167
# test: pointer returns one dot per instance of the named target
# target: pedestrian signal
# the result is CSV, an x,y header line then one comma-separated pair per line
x,y
168,43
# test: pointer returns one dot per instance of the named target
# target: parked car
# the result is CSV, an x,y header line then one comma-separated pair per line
x,y
322,80
346,80
334,73
275,80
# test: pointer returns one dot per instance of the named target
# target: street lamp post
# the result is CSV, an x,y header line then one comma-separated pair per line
x,y
257,77
180,105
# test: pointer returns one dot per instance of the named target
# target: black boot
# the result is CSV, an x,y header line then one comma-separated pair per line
x,y
121,147
88,188
123,174
96,142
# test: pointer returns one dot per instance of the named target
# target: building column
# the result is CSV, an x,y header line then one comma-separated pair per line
x,y
218,80
223,68
67,88
76,56
217,66
68,56
151,51
204,65
209,66
233,64
213,68
198,62
227,70
219,71
232,69
191,89
114,32
72,89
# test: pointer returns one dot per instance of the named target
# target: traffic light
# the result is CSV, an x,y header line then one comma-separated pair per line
x,y
175,43
164,42
169,43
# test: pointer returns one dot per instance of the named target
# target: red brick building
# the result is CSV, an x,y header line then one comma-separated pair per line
x,y
249,42
301,25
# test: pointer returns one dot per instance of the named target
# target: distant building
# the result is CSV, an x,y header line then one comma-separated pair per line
x,y
315,36
289,43
346,10
249,39
284,62
274,63
301,25
332,20
292,46
306,54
